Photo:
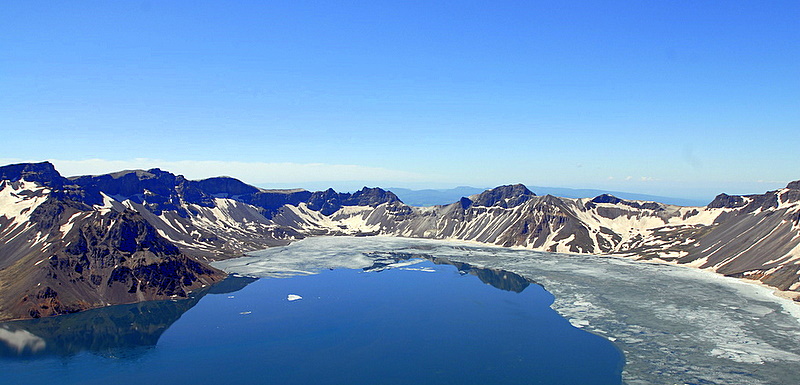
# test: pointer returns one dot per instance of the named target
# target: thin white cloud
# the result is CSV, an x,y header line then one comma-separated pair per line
x,y
250,172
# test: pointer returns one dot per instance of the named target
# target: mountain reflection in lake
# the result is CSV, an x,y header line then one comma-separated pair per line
x,y
109,331
501,279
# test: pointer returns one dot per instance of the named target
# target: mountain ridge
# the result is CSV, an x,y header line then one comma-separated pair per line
x,y
433,197
160,230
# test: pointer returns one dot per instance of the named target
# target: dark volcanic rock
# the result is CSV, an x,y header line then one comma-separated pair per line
x,y
370,197
43,173
606,198
156,189
329,201
271,201
791,195
750,203
225,186
726,201
504,196
114,258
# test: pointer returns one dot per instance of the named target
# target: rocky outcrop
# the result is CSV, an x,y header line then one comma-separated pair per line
x,y
329,201
608,198
43,173
61,255
503,196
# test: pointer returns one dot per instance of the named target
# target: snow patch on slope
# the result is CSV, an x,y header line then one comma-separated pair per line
x,y
348,219
18,200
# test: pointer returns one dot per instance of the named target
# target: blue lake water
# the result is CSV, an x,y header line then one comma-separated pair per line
x,y
398,321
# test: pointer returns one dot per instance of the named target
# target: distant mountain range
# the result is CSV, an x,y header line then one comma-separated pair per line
x,y
69,244
433,197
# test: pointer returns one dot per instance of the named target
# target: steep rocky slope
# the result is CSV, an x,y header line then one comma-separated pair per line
x,y
60,255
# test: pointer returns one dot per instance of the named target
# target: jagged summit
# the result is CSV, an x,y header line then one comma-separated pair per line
x,y
726,201
606,198
372,197
329,201
505,196
43,173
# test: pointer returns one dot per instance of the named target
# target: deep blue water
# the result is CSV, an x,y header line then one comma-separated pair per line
x,y
395,326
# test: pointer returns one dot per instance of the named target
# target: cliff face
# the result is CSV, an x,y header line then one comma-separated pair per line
x,y
67,244
60,255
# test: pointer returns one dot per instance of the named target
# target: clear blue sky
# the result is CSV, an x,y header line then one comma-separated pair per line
x,y
663,97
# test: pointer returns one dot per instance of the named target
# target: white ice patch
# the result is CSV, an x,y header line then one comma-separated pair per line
x,y
316,254
293,297
578,323
423,269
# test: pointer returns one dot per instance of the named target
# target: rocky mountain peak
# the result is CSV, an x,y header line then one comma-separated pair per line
x,y
329,201
43,173
606,198
794,185
727,201
503,196
372,197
